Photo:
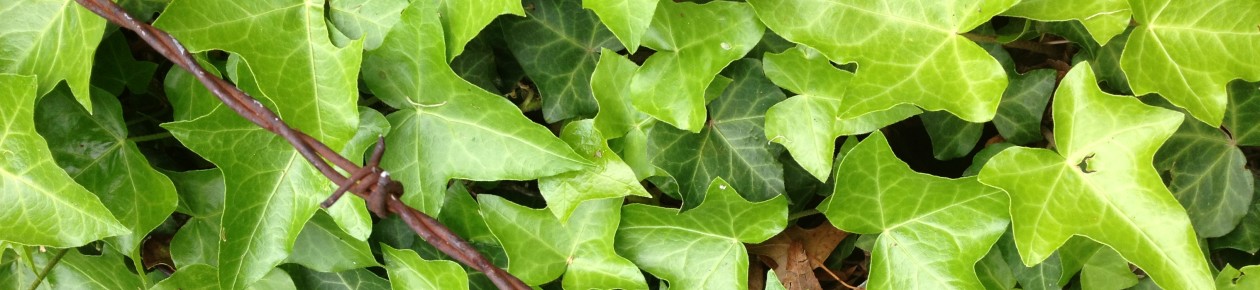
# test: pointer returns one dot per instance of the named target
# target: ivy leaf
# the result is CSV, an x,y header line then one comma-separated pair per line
x,y
1104,19
70,216
324,247
732,146
1114,192
609,83
1187,52
116,69
1244,113
1208,175
191,277
540,247
357,279
557,46
93,148
1100,266
446,127
1244,278
201,195
701,248
1019,115
926,62
951,137
189,98
462,20
313,83
627,19
365,19
1043,276
408,271
808,124
53,40
610,177
693,42
1245,237
935,243
78,271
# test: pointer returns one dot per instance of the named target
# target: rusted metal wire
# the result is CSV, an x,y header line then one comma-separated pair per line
x,y
369,182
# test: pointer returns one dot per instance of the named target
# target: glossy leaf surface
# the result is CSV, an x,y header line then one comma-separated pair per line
x,y
610,177
53,40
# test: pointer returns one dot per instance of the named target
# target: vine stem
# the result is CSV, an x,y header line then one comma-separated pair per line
x,y
150,137
39,277
377,188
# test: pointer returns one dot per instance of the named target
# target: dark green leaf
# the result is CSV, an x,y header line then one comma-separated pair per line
x,y
951,137
1208,176
1019,115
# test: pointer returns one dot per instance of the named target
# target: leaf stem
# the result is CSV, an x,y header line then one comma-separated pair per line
x,y
150,137
802,214
39,277
138,262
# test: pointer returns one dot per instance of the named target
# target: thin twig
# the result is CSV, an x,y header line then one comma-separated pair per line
x,y
39,277
381,193
150,137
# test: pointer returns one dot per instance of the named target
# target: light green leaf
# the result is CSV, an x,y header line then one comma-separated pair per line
x,y
350,213
365,19
1187,52
357,279
1103,170
540,247
702,248
78,271
44,206
462,215
191,277
693,42
732,145
610,177
609,84
275,279
447,128
408,271
93,148
1103,268
933,244
1245,237
951,137
1104,19
313,82
772,281
324,247
808,124
464,19
556,45
628,19
1208,175
1244,113
920,58
53,40
201,197
1231,278
270,192
189,98
1019,115
143,10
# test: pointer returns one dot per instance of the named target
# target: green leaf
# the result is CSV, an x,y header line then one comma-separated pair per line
x,y
556,45
324,247
702,248
772,281
1187,52
408,271
1104,269
693,42
540,247
201,197
53,40
1244,113
464,19
116,69
1043,276
1104,19
360,279
93,148
610,177
1019,115
933,244
1245,237
627,19
189,98
820,87
313,83
922,60
191,277
951,137
993,271
350,213
1103,170
365,19
732,145
78,271
609,83
44,206
447,128
1245,278
1208,175
270,192
143,10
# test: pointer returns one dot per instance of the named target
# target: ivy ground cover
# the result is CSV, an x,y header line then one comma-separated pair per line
x,y
640,144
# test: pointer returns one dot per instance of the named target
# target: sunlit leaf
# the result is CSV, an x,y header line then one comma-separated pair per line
x,y
1100,184
702,248
693,42
610,177
1246,278
447,128
918,58
628,19
1186,52
366,19
408,271
191,277
732,145
53,40
32,184
462,20
324,247
932,230
1104,19
557,44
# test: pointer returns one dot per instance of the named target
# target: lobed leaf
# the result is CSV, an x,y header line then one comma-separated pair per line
x,y
627,19
1103,19
53,40
609,178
